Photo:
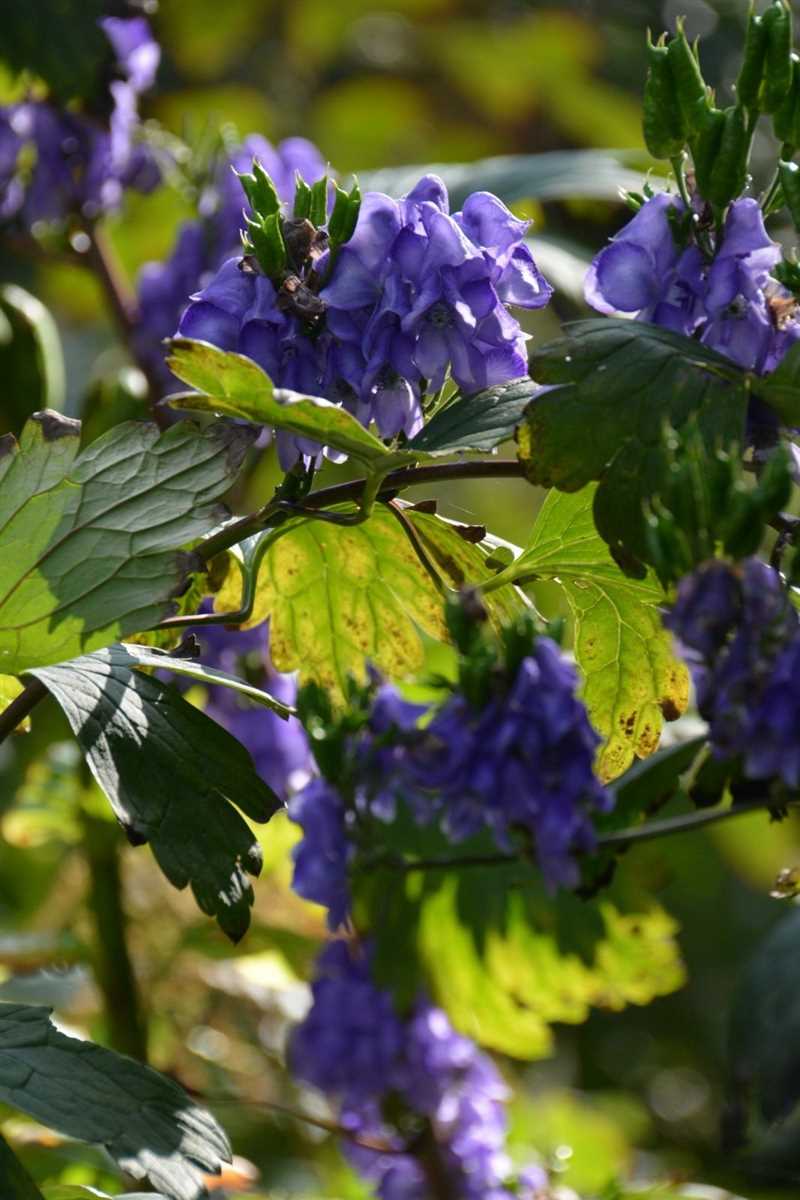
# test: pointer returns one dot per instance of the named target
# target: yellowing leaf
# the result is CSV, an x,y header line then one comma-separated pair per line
x,y
10,688
632,679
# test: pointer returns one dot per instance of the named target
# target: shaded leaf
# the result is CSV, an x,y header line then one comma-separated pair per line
x,y
477,422
649,783
622,383
145,1121
235,386
89,545
133,655
556,175
171,775
17,1183
781,389
72,58
632,679
31,359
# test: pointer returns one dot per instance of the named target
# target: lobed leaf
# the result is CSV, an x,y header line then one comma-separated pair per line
x,y
632,678
89,543
622,382
171,775
236,386
477,422
146,1122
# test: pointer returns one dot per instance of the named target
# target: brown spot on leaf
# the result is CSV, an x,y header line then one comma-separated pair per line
x,y
8,445
55,425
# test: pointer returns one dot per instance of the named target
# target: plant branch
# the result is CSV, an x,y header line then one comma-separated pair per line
x,y
125,309
19,708
340,493
619,839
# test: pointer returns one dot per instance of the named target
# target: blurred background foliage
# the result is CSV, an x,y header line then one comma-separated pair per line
x,y
607,1097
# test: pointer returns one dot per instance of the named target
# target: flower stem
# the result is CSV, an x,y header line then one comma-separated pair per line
x,y
19,708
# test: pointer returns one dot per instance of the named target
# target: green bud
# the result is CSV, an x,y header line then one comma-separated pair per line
x,y
751,76
744,527
344,217
265,238
786,119
774,487
690,86
302,198
260,191
728,174
705,146
318,209
663,121
789,174
777,21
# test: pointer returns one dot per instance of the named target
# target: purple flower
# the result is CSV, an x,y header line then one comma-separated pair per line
x,y
350,1043
137,52
523,760
322,857
737,629
727,301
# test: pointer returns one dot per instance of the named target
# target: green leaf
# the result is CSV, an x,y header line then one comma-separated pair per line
x,y
557,175
623,383
506,960
341,596
145,1121
649,783
89,546
171,775
632,679
71,1191
31,360
235,386
477,422
133,655
781,389
17,1183
10,688
72,56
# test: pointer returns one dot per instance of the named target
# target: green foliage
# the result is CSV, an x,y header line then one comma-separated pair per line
x,y
236,386
610,370
632,679
71,56
89,546
171,775
17,1183
145,1121
478,422
31,359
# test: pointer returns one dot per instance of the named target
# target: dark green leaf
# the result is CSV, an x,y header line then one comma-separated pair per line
x,y
17,1183
623,383
31,361
781,389
145,1121
477,422
169,772
649,783
89,546
64,44
557,175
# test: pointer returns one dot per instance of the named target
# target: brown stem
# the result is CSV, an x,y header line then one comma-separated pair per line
x,y
339,493
19,708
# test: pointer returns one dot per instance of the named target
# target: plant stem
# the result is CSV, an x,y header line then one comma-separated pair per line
x,y
339,493
19,708
16,1181
124,307
685,823
116,979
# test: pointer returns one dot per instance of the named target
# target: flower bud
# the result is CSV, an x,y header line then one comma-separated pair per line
x,y
751,76
777,21
665,127
786,119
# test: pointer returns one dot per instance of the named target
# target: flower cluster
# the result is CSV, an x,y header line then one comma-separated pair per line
x,y
740,634
729,300
202,245
279,748
518,763
56,163
446,1097
416,295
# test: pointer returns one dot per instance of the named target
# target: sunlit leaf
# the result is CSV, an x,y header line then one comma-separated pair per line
x,y
89,545
632,679
145,1121
171,775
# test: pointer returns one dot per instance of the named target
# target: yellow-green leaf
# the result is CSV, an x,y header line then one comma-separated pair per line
x,y
10,688
632,679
